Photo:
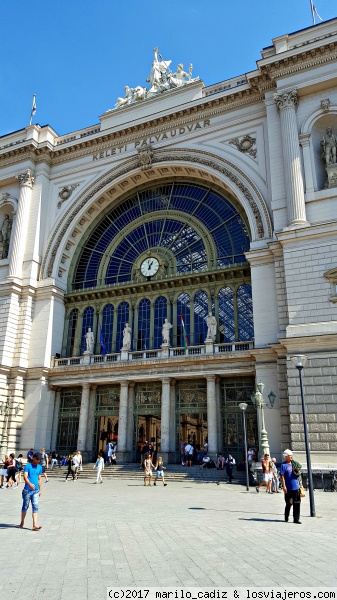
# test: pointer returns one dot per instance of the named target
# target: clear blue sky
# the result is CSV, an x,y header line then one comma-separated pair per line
x,y
77,55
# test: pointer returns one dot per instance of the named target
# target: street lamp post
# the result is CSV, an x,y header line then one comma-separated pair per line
x,y
299,362
243,406
263,436
6,410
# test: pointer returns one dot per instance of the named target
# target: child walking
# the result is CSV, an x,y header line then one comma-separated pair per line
x,y
99,465
160,471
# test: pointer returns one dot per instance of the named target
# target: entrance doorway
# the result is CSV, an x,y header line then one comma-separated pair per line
x,y
235,391
191,410
147,415
148,430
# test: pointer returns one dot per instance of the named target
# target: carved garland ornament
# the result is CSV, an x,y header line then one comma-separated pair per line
x,y
175,155
245,145
65,193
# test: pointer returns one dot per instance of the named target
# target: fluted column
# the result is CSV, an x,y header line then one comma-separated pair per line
x,y
130,423
172,416
84,411
26,181
287,103
123,420
165,418
55,419
91,421
212,416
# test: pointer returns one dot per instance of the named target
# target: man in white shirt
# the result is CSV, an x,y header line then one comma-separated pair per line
x,y
205,461
188,454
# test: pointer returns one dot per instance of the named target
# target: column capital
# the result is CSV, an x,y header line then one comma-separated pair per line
x,y
124,383
86,386
132,384
166,380
286,99
211,378
26,178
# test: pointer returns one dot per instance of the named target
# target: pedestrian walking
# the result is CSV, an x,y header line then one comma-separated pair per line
x,y
160,471
189,454
32,490
69,465
19,467
265,462
148,466
44,463
99,465
11,469
275,480
230,462
4,471
290,472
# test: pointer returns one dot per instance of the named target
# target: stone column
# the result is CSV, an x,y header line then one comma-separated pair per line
x,y
26,181
130,425
91,422
82,426
305,143
212,417
56,412
165,419
173,418
287,103
219,413
123,454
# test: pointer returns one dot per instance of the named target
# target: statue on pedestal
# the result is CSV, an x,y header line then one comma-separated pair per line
x,y
126,337
90,341
5,234
166,331
329,143
211,327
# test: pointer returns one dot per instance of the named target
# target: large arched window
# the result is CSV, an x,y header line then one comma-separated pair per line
x,y
160,314
107,323
200,316
122,318
245,312
177,217
226,315
73,319
143,335
88,321
183,319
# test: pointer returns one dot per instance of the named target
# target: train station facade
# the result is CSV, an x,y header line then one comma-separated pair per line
x,y
185,201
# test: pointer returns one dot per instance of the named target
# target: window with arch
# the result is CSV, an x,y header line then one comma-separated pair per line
x,y
73,319
122,318
143,334
88,321
183,314
200,308
107,325
160,314
226,316
245,312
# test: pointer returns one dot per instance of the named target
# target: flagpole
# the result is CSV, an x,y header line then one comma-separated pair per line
x,y
33,111
312,12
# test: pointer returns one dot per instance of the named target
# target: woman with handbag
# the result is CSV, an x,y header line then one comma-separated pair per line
x,y
290,472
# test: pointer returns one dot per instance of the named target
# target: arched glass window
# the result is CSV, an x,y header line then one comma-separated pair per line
x,y
245,312
183,314
226,315
107,323
143,334
200,314
160,314
73,318
122,318
88,321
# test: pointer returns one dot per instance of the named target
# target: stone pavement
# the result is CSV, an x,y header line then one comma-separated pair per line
x,y
186,534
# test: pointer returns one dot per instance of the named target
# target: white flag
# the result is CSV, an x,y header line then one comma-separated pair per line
x,y
33,111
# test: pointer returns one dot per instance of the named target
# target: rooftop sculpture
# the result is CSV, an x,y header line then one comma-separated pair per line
x,y
161,79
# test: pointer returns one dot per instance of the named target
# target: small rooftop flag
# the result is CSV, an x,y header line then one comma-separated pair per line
x,y
314,12
184,331
33,111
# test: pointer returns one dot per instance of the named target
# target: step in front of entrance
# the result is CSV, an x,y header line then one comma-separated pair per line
x,y
174,473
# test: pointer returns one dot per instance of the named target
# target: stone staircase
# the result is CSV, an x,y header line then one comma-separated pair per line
x,y
173,473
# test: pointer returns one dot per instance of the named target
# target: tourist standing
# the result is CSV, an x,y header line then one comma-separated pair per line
x,y
44,463
148,466
99,465
4,470
19,466
230,462
265,471
11,477
189,454
70,465
32,490
290,472
275,480
160,471
30,455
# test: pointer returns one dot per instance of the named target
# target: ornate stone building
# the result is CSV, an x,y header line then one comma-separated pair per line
x,y
184,203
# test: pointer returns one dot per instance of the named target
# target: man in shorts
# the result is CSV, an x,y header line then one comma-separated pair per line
x,y
265,470
32,490
189,454
44,463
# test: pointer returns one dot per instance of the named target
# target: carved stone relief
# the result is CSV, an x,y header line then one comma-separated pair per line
x,y
65,193
145,155
245,145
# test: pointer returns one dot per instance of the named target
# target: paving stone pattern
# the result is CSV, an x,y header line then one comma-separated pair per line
x,y
186,534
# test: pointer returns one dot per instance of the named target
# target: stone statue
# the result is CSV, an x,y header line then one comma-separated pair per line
x,y
160,78
5,234
90,341
212,326
166,331
329,143
126,337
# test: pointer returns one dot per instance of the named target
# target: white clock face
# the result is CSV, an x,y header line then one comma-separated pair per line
x,y
149,266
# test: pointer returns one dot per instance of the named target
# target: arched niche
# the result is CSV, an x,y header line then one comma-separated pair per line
x,y
312,131
8,206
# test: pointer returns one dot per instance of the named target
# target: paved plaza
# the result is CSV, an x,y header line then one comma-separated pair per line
x,y
186,534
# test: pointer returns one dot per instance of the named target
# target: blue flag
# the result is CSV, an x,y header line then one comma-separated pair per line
x,y
102,342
